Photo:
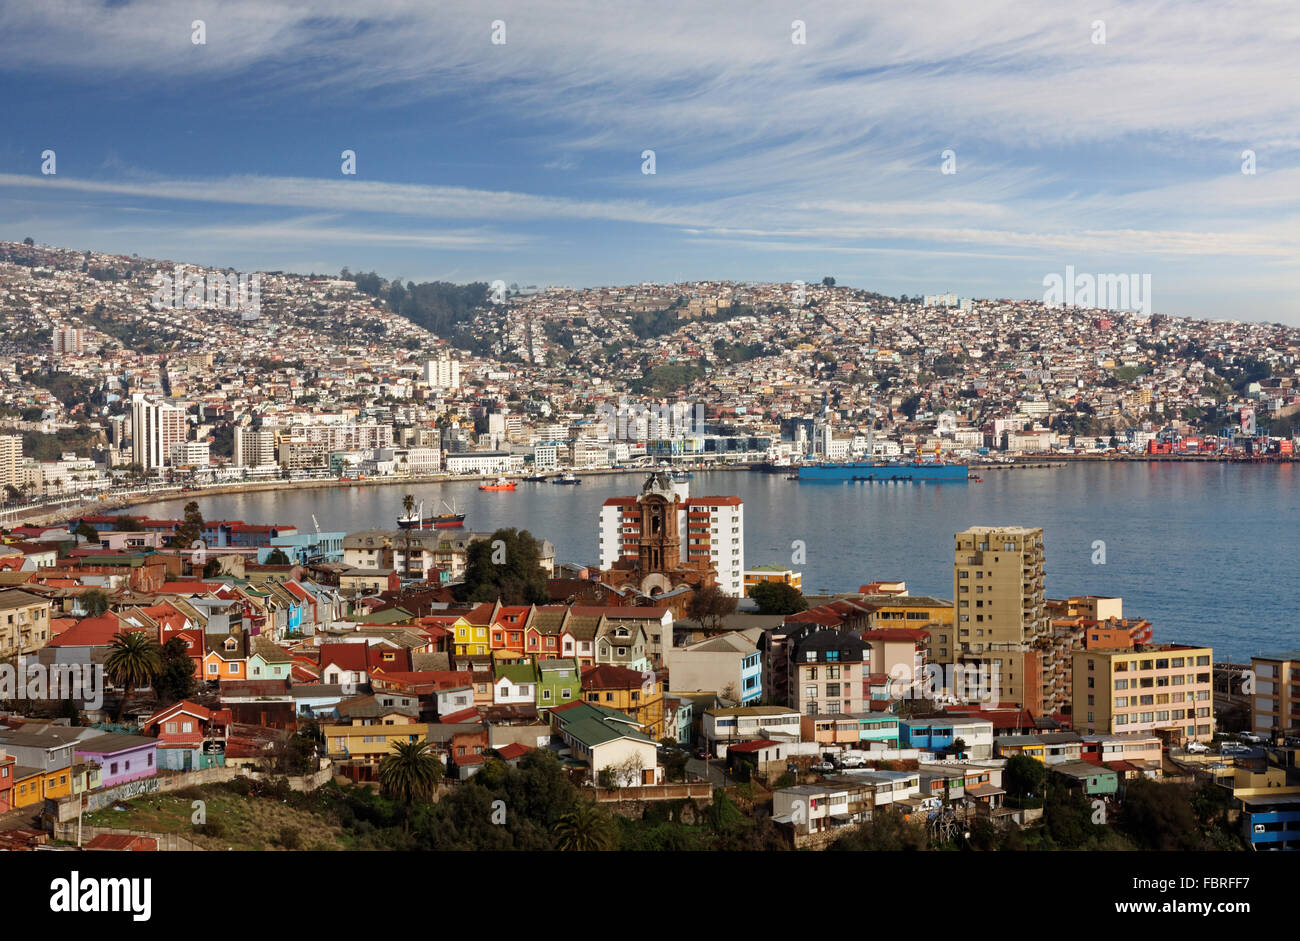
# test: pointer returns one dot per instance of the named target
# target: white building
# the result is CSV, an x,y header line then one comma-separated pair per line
x,y
190,454
483,462
443,373
155,427
546,456
711,528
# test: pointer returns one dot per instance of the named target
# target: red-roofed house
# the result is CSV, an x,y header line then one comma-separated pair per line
x,y
189,736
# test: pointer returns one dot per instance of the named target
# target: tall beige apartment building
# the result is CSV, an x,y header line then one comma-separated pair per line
x,y
997,577
1275,704
1165,689
11,461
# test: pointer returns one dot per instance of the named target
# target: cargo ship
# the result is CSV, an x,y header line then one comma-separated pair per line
x,y
887,471
449,520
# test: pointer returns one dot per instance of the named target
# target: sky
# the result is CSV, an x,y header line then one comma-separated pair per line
x,y
791,140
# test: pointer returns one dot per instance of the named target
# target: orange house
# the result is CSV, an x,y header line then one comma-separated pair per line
x,y
224,658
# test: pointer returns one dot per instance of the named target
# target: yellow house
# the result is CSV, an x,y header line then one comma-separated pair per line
x,y
32,785
370,742
640,695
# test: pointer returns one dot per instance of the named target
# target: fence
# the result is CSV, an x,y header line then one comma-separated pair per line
x,y
167,842
655,792
60,811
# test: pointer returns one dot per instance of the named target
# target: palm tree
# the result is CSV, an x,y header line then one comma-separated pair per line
x,y
134,660
585,828
408,505
408,772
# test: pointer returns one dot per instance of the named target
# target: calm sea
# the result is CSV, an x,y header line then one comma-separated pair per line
x,y
1210,553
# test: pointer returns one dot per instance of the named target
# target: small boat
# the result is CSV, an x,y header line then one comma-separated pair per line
x,y
500,484
536,478
977,479
567,479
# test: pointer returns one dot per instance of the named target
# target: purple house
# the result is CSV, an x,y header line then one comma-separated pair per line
x,y
121,758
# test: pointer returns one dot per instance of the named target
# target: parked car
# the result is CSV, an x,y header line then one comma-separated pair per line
x,y
853,760
825,767
702,753
1197,748
1252,737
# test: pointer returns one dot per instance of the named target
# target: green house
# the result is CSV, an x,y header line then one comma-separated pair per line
x,y
559,682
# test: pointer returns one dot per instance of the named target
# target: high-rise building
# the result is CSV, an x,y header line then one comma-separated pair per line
x,y
442,373
11,461
704,530
68,340
253,447
1165,689
155,428
998,593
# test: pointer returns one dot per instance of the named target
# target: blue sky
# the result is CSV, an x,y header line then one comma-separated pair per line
x,y
774,160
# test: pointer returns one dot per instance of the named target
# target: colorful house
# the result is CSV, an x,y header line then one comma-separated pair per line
x,y
7,765
268,661
190,736
224,657
636,693
558,683
43,763
121,758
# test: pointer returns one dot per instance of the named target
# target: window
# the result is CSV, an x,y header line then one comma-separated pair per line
x,y
185,726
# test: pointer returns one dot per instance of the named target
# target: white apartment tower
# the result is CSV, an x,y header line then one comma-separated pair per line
x,y
711,528
155,428
442,373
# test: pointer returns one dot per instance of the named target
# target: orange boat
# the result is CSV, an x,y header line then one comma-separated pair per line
x,y
501,484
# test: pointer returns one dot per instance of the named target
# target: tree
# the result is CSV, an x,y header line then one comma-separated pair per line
x,y
887,832
506,567
87,532
408,773
1023,776
134,660
1159,816
277,557
709,606
586,828
190,530
95,602
828,282
778,598
176,679
129,524
29,241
